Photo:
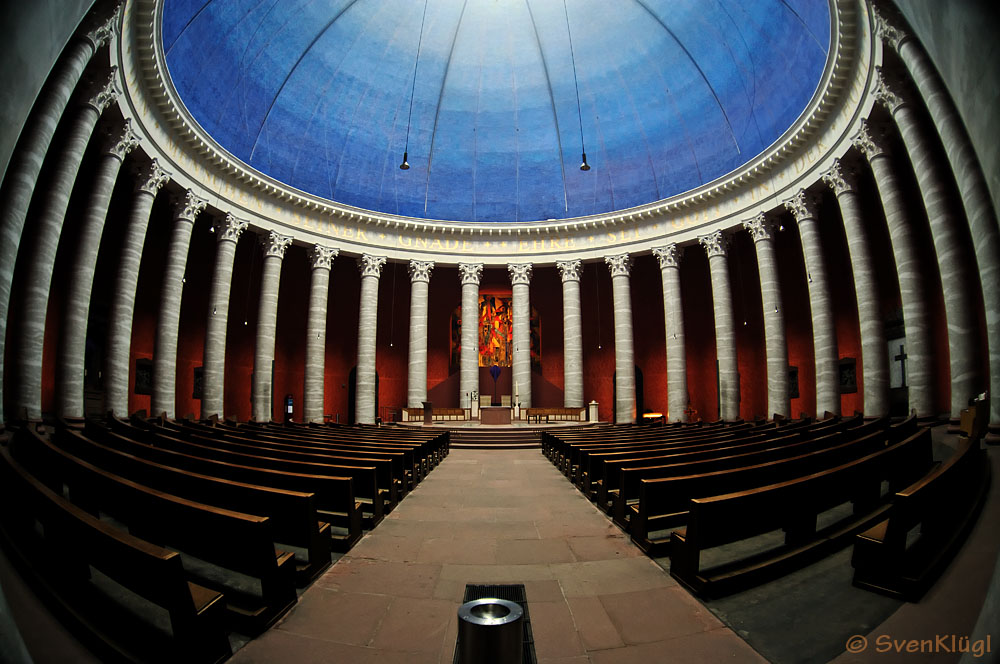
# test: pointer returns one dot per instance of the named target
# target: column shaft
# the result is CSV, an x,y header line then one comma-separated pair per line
x,y
72,347
416,377
975,194
319,288
168,323
364,410
572,334
669,258
41,262
725,332
116,372
468,377
908,271
625,407
214,362
874,355
775,341
267,322
966,369
26,162
520,278
827,359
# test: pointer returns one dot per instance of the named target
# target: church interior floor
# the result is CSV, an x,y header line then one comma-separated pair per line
x,y
508,516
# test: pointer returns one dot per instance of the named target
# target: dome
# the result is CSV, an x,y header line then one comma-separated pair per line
x,y
494,101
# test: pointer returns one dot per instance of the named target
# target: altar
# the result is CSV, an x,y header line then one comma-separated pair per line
x,y
494,415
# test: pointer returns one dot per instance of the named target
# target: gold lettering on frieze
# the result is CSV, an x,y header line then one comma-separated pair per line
x,y
422,243
404,241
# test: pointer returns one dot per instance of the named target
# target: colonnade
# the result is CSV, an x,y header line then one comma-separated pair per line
x,y
953,238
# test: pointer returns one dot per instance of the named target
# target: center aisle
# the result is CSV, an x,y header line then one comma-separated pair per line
x,y
497,516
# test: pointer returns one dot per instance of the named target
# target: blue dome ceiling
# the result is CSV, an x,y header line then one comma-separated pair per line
x,y
672,94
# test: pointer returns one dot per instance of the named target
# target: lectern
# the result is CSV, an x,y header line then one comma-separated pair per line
x,y
428,413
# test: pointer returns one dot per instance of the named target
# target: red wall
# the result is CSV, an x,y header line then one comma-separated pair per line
x,y
699,333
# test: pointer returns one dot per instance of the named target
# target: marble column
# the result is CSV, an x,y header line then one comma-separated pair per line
x,y
25,164
972,186
520,278
468,375
72,347
669,258
319,289
827,359
267,322
908,270
775,341
725,331
168,323
621,267
967,378
116,372
364,402
874,353
416,377
42,258
570,272
214,363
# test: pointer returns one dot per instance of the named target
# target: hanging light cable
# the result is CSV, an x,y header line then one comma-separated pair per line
x,y
584,166
405,166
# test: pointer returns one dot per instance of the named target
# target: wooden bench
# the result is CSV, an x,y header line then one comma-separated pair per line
x,y
663,502
365,482
335,501
58,556
944,506
793,506
232,541
293,513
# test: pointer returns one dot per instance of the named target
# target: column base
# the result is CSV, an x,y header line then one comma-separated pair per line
x,y
954,425
992,436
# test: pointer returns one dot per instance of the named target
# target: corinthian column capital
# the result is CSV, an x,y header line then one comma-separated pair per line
x,y
760,228
322,256
275,245
802,206
232,228
190,206
619,264
124,143
668,256
470,273
868,143
570,270
520,273
106,94
104,31
889,97
421,271
891,34
152,179
371,266
715,244
840,181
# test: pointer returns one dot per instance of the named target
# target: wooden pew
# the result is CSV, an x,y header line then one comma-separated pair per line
x,y
335,501
292,513
365,482
793,506
944,505
663,502
58,557
233,541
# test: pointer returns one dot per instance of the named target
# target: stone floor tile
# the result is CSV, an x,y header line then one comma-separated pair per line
x,y
415,625
460,551
342,617
602,547
390,548
377,576
593,624
719,645
605,577
554,631
657,614
527,552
